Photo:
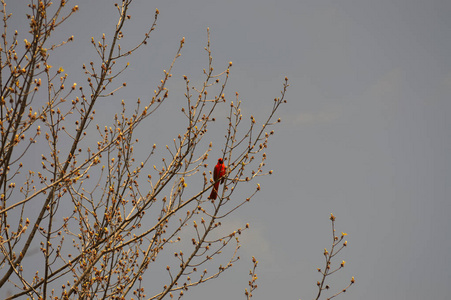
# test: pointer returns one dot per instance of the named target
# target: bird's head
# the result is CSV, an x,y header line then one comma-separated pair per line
x,y
220,161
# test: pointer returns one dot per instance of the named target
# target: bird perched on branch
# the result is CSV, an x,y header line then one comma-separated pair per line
x,y
218,173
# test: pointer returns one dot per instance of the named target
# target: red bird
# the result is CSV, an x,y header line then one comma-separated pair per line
x,y
218,172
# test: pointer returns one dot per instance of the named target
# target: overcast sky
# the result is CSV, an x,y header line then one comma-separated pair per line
x,y
365,133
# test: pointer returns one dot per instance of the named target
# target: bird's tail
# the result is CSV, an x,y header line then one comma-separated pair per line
x,y
214,191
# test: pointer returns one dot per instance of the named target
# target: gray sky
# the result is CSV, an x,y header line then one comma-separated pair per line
x,y
365,133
